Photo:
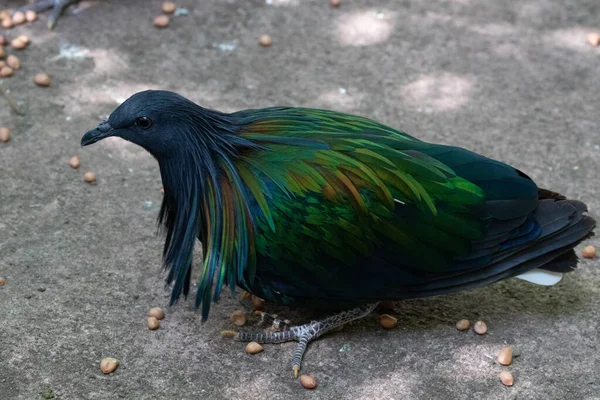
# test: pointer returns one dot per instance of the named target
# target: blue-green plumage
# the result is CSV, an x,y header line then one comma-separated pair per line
x,y
316,208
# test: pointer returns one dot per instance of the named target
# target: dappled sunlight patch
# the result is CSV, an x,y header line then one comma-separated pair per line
x,y
108,62
574,38
364,28
439,92
338,99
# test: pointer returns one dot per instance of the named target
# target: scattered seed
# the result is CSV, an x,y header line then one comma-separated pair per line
x,y
463,325
4,135
2,281
480,328
588,252
308,381
265,40
334,3
108,365
238,318
24,38
506,378
6,71
387,321
253,348
18,43
30,15
153,323
593,38
2,52
18,18
74,162
13,62
505,356
156,312
161,21
89,177
7,23
258,303
42,80
168,7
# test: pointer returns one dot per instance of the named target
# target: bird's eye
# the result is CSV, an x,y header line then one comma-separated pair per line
x,y
144,122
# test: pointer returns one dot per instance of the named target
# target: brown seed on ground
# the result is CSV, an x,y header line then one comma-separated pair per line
x,y
74,162
89,177
161,21
30,15
265,40
593,38
24,38
7,23
109,364
18,43
42,80
463,325
258,303
6,71
18,18
156,312
168,7
238,318
4,135
588,252
2,281
253,348
308,382
13,62
506,378
387,321
2,52
505,356
480,328
334,3
153,323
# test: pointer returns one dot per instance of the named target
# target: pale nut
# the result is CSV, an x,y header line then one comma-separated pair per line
x,y
505,356
4,135
588,252
387,321
161,21
153,323
18,18
334,3
6,72
74,162
506,378
42,80
30,15
265,40
89,177
13,62
156,312
7,23
593,38
308,381
480,328
108,365
168,7
463,325
253,348
18,43
2,281
238,318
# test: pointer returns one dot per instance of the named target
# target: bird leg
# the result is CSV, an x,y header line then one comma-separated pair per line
x,y
305,333
57,7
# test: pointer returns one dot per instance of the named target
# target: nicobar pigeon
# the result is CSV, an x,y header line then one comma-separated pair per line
x,y
314,208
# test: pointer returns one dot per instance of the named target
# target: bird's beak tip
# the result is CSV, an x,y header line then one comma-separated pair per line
x,y
100,132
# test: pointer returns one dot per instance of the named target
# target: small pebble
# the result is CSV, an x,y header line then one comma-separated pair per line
x,y
238,318
2,281
506,378
30,15
74,162
108,365
588,252
168,7
13,62
153,323
4,135
18,43
505,356
253,348
6,71
42,80
18,18
89,177
308,382
480,328
387,321
334,3
265,40
593,38
156,312
161,21
463,325
258,303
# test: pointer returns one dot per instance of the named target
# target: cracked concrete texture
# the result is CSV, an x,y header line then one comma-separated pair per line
x,y
512,80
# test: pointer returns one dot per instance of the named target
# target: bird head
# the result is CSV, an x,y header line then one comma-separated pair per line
x,y
149,119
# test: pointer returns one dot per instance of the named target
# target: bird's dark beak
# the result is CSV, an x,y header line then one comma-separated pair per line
x,y
98,133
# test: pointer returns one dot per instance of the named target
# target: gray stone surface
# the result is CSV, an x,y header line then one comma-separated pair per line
x,y
511,80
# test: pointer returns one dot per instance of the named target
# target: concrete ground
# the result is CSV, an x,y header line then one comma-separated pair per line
x,y
512,80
